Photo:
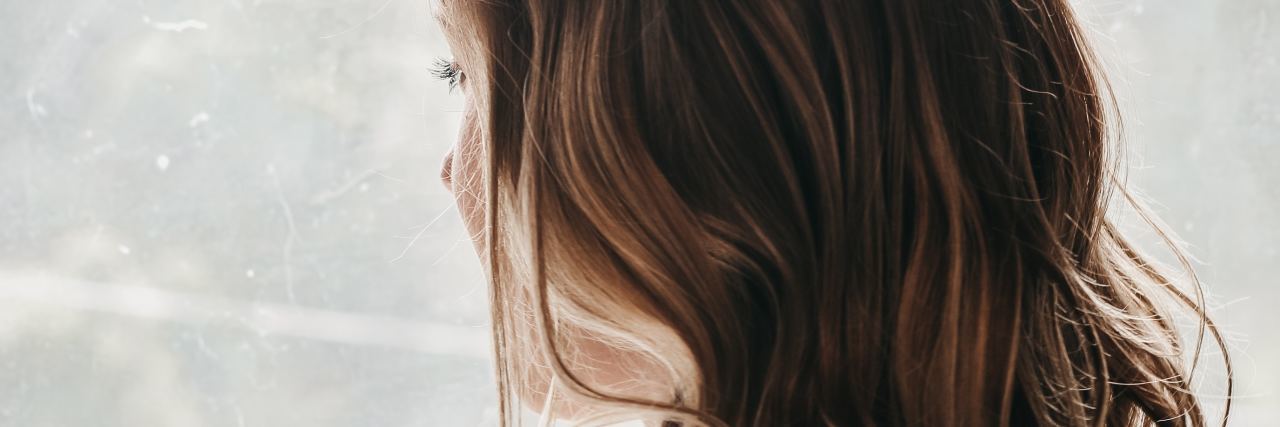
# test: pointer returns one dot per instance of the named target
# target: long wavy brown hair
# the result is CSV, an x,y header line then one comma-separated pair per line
x,y
818,212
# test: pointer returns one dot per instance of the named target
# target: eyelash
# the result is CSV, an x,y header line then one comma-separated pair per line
x,y
448,71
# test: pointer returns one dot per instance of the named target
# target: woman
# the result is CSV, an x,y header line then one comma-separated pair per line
x,y
819,212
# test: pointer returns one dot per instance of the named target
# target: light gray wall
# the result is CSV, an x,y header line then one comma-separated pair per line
x,y
223,213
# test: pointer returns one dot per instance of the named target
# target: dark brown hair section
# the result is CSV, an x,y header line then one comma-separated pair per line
x,y
852,212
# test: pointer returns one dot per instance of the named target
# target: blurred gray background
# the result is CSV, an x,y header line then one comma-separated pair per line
x,y
227,213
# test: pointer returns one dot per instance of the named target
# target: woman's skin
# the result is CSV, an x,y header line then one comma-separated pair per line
x,y
602,365
463,168
462,172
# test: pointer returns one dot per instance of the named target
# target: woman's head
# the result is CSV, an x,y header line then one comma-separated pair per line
x,y
807,212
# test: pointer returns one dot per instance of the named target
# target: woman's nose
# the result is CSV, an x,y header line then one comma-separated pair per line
x,y
446,170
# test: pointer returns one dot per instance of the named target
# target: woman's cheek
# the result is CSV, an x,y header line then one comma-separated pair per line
x,y
467,177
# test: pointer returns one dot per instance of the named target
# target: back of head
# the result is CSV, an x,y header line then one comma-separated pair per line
x,y
880,212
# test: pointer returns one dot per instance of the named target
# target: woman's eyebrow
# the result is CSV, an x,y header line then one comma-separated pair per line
x,y
439,17
440,14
